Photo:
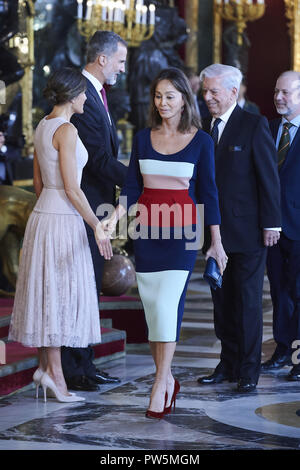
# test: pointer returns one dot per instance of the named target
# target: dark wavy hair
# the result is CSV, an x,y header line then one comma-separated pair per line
x,y
64,85
189,117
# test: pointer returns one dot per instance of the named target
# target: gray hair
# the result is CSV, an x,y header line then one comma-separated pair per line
x,y
231,76
103,42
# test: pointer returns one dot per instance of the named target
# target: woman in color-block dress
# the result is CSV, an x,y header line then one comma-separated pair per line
x,y
171,170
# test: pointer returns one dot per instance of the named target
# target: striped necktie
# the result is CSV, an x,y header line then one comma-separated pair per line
x,y
284,143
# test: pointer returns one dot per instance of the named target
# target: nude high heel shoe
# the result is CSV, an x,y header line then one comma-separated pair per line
x,y
47,382
37,376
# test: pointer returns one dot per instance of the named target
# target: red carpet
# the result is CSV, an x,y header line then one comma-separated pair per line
x,y
18,354
6,301
126,314
124,317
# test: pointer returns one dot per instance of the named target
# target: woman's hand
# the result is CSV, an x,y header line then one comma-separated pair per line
x,y
217,252
103,242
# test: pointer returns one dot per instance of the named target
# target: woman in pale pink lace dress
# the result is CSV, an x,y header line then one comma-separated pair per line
x,y
56,302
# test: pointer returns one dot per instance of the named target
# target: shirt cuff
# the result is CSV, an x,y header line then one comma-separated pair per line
x,y
277,229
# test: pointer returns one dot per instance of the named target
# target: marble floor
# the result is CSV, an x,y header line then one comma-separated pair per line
x,y
206,417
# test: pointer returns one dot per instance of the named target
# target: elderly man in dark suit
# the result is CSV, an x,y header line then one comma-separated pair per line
x,y
283,261
249,195
106,58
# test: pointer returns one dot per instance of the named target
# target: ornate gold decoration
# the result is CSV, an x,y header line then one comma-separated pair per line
x,y
128,18
15,207
23,43
240,12
292,13
217,37
289,13
191,17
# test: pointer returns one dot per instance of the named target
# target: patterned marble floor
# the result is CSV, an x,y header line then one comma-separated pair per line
x,y
206,417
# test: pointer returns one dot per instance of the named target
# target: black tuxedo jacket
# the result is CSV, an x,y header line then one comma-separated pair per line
x,y
103,171
289,175
247,181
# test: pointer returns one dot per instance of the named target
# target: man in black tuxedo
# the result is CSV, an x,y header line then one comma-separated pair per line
x,y
283,261
249,195
106,58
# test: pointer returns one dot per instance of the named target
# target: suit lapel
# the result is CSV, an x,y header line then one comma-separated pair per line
x,y
274,126
230,129
94,96
290,154
295,142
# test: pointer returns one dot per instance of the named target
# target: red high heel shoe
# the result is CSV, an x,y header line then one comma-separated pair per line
x,y
168,409
157,414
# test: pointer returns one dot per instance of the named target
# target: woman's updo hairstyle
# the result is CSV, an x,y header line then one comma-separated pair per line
x,y
64,85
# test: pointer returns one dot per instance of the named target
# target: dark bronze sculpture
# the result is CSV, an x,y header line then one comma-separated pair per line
x,y
234,54
10,69
151,57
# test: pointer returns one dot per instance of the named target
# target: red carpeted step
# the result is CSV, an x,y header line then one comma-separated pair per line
x,y
4,311
6,301
5,314
127,314
21,361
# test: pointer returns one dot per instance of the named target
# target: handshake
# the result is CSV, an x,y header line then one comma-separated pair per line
x,y
103,234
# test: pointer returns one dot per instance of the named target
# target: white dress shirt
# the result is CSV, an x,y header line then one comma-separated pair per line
x,y
241,102
292,131
97,85
224,118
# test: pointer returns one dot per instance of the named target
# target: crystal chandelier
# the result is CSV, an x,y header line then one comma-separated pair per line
x,y
131,19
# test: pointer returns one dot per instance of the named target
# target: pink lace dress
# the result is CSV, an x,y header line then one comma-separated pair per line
x,y
56,301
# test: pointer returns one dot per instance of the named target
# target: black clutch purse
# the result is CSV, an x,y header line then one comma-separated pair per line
x,y
212,273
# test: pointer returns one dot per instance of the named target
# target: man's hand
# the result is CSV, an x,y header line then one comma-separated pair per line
x,y
271,237
109,226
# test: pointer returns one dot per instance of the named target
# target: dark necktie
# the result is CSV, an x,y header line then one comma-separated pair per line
x,y
215,132
284,143
103,94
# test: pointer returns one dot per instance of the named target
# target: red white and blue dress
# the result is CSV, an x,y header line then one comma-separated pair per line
x,y
163,262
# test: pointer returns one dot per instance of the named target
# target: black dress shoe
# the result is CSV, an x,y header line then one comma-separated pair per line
x,y
294,375
246,385
82,384
215,378
102,377
276,363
